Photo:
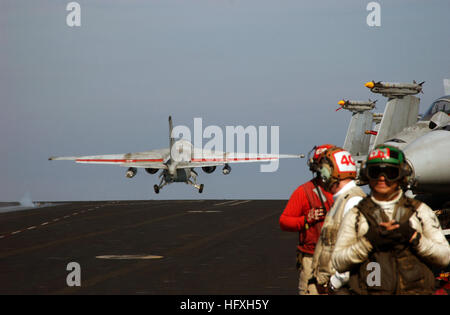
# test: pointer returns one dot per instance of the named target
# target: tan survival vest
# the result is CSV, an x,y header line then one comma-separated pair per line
x,y
322,266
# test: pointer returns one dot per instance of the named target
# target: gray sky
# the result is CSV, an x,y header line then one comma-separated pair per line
x,y
109,85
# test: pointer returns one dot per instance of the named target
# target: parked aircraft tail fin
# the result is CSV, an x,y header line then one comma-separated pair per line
x,y
447,86
171,138
357,140
398,114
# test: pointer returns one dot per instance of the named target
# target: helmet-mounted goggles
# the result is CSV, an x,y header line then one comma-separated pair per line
x,y
389,171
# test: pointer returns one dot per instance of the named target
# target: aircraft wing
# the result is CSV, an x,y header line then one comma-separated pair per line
x,y
148,159
211,158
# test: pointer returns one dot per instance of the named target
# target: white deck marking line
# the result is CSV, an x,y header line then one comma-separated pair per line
x,y
121,257
204,211
46,223
239,203
223,203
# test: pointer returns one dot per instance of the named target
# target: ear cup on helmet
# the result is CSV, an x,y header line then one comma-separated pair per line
x,y
363,179
325,171
310,160
315,155
406,169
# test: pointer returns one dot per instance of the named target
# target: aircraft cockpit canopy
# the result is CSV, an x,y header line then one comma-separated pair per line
x,y
442,104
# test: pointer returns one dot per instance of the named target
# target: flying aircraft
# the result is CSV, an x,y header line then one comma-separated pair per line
x,y
176,162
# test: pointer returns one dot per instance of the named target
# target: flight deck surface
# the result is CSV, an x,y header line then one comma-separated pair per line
x,y
149,247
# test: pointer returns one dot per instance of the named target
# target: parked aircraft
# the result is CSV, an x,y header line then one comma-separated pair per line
x,y
425,139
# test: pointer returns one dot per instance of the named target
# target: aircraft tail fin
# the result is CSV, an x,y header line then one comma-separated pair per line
x,y
447,86
377,121
357,140
398,114
171,139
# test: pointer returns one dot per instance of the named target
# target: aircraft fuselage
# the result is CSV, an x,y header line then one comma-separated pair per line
x,y
178,176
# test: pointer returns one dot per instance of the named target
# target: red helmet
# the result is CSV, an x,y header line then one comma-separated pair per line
x,y
317,153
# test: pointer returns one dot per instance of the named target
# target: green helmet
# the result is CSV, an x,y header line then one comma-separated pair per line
x,y
387,161
386,154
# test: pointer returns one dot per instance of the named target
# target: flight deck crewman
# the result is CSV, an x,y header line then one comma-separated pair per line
x,y
399,236
338,171
304,213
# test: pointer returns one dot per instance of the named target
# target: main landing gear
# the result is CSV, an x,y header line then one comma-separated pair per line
x,y
199,187
193,182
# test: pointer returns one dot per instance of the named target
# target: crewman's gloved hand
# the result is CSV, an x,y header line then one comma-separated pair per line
x,y
315,215
382,239
406,231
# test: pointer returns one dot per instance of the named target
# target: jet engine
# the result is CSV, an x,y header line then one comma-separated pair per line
x,y
151,170
226,169
131,172
209,169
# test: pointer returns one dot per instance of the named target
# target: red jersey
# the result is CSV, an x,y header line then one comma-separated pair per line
x,y
304,198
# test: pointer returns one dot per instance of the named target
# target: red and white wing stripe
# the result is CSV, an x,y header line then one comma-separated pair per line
x,y
208,158
143,159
